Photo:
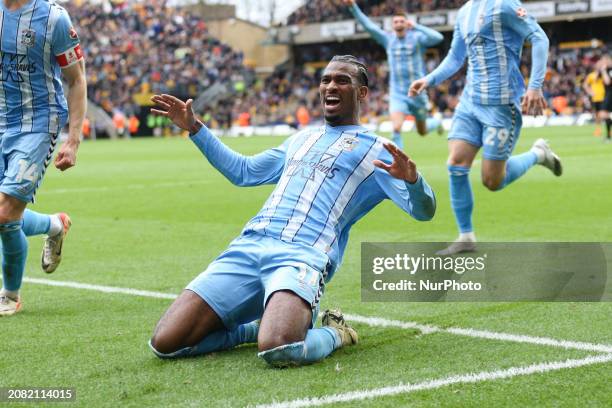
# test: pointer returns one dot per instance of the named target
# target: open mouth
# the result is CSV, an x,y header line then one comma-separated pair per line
x,y
332,101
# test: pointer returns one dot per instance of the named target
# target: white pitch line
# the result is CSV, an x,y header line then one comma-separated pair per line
x,y
442,382
483,334
124,187
99,288
370,321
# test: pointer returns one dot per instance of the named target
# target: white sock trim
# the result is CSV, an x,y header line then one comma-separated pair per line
x,y
540,153
10,294
467,237
55,226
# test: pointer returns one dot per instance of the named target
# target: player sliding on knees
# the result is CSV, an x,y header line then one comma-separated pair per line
x,y
491,33
405,48
276,270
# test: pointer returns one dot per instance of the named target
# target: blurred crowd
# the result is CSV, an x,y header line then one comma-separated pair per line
x,y
316,11
138,49
147,47
289,92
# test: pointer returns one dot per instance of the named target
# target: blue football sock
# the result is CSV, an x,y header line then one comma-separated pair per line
x,y
397,139
319,343
432,124
462,199
518,165
14,254
217,341
35,223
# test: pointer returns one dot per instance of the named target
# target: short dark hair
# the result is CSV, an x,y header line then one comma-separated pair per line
x,y
362,70
399,12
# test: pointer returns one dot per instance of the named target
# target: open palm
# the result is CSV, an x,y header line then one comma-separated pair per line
x,y
402,168
179,112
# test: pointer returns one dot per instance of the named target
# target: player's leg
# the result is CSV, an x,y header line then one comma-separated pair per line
x,y
294,281
14,253
607,117
204,318
500,133
397,121
285,338
419,107
398,108
463,144
191,327
26,156
597,116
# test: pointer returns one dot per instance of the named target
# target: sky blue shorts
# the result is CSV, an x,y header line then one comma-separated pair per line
x,y
415,106
495,128
238,284
25,157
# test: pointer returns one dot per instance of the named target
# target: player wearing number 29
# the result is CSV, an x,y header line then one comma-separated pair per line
x,y
490,34
38,44
326,180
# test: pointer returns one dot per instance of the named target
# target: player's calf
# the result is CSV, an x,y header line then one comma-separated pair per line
x,y
284,336
188,320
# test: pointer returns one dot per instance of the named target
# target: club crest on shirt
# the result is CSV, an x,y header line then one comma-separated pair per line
x,y
521,12
28,37
349,143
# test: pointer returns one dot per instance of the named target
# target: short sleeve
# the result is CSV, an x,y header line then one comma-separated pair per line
x,y
517,18
65,42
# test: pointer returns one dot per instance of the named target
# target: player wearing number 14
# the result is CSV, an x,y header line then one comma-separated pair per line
x,y
490,34
38,45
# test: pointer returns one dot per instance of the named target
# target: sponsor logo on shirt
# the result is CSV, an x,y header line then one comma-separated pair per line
x,y
521,12
72,33
314,161
12,66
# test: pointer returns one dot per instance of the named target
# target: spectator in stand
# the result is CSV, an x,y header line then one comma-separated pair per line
x,y
169,49
133,125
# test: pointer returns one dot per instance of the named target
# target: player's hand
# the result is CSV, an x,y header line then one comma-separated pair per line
x,y
179,112
402,168
348,2
66,157
533,102
417,87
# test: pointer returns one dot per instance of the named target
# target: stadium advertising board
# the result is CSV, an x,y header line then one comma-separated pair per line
x,y
434,20
540,9
573,7
601,5
338,29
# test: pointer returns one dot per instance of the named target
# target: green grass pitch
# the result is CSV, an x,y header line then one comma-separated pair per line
x,y
151,214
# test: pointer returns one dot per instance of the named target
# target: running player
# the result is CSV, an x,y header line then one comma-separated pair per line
x,y
491,33
38,45
606,74
326,180
405,48
595,87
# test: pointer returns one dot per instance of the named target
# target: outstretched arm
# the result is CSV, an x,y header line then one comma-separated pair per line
x,y
263,168
451,64
401,182
429,37
375,31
